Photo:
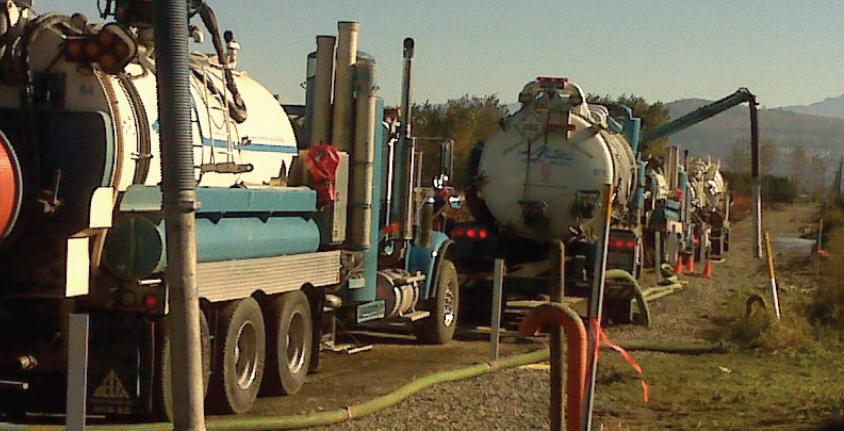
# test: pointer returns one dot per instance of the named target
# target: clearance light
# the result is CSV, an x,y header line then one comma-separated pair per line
x,y
631,244
112,48
458,232
483,234
151,301
472,233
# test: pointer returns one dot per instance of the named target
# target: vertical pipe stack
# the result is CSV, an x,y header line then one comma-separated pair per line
x,y
347,49
178,185
406,151
363,156
320,129
310,88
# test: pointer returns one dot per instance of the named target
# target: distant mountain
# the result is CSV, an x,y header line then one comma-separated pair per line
x,y
716,136
829,107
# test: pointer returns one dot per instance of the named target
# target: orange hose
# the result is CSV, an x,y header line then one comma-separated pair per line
x,y
559,314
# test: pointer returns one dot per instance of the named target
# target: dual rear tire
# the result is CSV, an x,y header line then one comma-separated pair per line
x,y
255,349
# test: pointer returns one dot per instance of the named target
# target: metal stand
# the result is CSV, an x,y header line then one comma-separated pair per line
x,y
77,372
495,324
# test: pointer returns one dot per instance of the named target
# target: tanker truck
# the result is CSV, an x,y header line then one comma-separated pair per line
x,y
541,177
290,234
711,203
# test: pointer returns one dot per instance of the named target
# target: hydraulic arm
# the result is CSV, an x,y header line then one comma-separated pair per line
x,y
703,113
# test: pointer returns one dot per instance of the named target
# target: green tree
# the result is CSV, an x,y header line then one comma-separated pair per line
x,y
653,115
465,120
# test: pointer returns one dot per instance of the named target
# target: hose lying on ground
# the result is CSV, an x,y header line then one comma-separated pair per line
x,y
376,404
641,300
328,417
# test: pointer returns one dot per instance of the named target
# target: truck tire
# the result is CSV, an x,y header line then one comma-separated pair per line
x,y
239,350
438,328
289,343
163,384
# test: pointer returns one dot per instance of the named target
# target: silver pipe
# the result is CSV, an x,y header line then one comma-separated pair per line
x,y
363,156
347,48
320,129
179,187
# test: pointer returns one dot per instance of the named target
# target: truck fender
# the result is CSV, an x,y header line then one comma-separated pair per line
x,y
427,260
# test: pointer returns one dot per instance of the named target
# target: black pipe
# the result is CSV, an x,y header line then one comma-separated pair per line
x,y
754,136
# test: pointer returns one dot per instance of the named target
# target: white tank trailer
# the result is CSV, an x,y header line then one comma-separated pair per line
x,y
710,202
81,227
541,177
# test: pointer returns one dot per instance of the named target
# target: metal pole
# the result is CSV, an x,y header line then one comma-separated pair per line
x,y
596,304
556,290
658,255
820,236
495,324
756,181
178,185
77,372
403,183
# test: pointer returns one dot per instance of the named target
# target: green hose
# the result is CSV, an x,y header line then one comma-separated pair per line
x,y
323,418
644,311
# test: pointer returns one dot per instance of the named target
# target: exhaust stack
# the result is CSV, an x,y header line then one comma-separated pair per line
x,y
363,156
347,48
320,128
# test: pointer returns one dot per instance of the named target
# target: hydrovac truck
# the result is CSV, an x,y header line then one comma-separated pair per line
x,y
291,234
541,177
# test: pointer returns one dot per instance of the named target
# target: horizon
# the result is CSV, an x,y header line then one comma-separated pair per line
x,y
660,50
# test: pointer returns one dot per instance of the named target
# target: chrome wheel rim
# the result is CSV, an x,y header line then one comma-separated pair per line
x,y
246,355
295,341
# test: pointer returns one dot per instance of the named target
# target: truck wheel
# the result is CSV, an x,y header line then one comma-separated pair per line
x,y
438,328
289,343
164,368
239,357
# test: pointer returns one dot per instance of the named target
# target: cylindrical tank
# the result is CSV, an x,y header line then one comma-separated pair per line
x,y
95,132
708,183
263,140
220,240
543,172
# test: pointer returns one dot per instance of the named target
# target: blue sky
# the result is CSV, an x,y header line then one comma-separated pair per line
x,y
787,52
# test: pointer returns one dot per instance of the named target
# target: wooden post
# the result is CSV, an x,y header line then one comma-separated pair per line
x,y
556,291
772,274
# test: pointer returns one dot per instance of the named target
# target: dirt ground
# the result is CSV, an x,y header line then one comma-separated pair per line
x,y
745,389
741,390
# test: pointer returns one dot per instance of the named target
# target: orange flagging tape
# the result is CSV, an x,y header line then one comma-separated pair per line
x,y
603,338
